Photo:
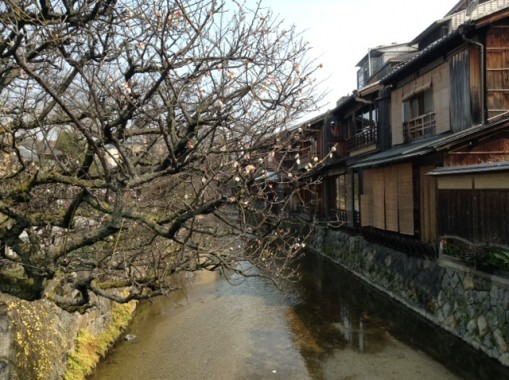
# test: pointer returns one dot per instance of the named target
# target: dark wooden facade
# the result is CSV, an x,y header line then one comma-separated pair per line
x,y
481,216
387,182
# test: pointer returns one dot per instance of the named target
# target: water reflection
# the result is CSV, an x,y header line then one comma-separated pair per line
x,y
326,326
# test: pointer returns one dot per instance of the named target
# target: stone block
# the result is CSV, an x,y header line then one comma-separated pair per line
x,y
504,359
440,316
482,284
501,315
454,280
5,370
505,300
468,281
469,298
488,343
445,281
492,318
472,327
494,296
481,296
446,309
450,322
500,341
4,324
442,298
482,325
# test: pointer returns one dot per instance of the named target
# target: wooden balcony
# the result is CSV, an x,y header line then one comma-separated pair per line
x,y
419,127
368,136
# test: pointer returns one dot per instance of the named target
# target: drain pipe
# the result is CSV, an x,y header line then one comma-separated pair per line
x,y
481,48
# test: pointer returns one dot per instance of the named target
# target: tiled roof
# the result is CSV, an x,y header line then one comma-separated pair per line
x,y
470,169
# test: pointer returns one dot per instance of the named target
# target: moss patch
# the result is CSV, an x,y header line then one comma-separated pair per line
x,y
91,347
36,339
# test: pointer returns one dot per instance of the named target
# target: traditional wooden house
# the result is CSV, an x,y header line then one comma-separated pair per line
x,y
358,127
420,149
446,171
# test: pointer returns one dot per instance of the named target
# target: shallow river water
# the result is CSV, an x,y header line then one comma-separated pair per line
x,y
327,326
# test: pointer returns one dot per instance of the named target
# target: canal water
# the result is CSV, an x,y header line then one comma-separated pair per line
x,y
328,325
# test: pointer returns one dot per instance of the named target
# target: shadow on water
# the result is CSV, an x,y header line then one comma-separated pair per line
x,y
329,325
362,314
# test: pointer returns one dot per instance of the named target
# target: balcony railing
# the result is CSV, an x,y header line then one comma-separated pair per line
x,y
419,127
367,137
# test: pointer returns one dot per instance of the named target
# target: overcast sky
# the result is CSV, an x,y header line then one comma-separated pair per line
x,y
341,31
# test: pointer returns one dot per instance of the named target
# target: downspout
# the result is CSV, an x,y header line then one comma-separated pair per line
x,y
481,48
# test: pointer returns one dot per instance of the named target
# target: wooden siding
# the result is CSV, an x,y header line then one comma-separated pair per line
x,y
350,191
379,198
428,207
367,199
459,65
391,198
454,210
397,117
497,70
476,215
406,199
494,149
366,210
439,77
475,85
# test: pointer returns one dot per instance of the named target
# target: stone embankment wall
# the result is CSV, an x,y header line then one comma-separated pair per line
x,y
472,305
39,340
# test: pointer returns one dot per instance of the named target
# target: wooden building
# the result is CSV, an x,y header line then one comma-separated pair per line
x,y
421,149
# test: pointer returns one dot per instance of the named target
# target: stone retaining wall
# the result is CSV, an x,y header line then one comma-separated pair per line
x,y
38,340
470,304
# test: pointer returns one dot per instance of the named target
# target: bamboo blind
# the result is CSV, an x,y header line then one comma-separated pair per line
x,y
379,198
391,198
367,210
367,199
405,199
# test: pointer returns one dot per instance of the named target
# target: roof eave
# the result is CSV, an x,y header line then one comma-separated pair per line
x,y
437,49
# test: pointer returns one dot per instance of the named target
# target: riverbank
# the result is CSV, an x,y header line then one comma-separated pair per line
x,y
325,326
39,340
470,306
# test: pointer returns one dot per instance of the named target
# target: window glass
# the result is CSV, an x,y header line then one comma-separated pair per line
x,y
418,105
428,101
341,193
356,190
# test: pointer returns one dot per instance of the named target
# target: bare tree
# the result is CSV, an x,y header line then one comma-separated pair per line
x,y
141,139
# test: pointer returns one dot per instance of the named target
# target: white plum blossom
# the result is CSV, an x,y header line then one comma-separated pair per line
x,y
218,104
250,169
231,75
